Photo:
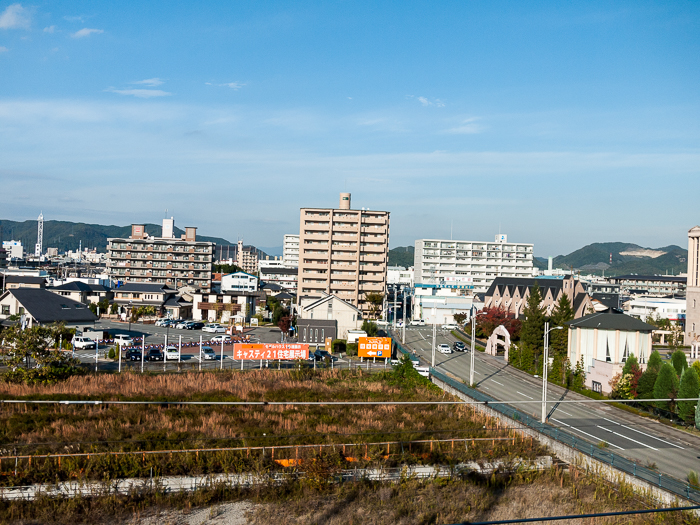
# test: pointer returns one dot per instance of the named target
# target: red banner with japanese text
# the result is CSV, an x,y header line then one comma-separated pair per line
x,y
283,351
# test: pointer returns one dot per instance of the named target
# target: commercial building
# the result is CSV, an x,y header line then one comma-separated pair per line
x,y
439,305
290,251
657,307
658,285
166,260
470,265
692,315
343,252
604,341
399,275
239,282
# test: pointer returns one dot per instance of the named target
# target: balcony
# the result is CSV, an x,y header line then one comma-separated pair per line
x,y
220,307
373,249
373,220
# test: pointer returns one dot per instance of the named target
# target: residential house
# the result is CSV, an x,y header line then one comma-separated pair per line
x,y
329,307
41,307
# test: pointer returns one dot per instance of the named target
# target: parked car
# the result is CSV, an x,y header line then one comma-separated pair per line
x,y
83,343
320,355
399,324
208,353
154,354
444,349
196,325
450,327
214,328
218,338
458,346
171,353
182,324
417,322
123,340
163,322
133,355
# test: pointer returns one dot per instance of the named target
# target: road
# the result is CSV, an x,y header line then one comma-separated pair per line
x,y
674,452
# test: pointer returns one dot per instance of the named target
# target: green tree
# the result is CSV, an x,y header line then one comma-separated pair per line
x,y
375,300
532,331
666,386
689,387
559,339
655,362
227,268
579,379
629,364
370,328
645,386
697,416
679,362
696,366
460,318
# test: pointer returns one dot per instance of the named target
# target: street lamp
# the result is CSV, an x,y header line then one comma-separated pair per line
x,y
545,367
435,329
471,358
129,316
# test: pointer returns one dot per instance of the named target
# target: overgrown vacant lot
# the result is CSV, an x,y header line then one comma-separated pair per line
x,y
57,428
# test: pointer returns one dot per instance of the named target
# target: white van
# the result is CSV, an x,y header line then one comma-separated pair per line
x,y
123,340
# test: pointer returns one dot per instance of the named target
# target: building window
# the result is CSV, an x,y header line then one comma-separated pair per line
x,y
597,387
5,309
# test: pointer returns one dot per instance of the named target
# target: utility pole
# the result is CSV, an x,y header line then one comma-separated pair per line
x,y
545,368
434,331
471,358
403,329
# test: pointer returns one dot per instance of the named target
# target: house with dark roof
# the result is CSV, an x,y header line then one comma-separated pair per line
x,y
166,301
23,281
83,292
41,307
604,341
512,293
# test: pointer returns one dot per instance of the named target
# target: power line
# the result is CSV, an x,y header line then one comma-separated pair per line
x,y
579,516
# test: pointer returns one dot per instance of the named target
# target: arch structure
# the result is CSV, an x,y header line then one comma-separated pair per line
x,y
494,341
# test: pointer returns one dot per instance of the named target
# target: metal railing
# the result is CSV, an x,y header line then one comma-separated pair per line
x,y
651,476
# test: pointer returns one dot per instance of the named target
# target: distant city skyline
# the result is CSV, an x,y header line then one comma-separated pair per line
x,y
559,124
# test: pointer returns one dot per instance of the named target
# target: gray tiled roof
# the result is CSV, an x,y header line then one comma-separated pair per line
x,y
48,307
611,321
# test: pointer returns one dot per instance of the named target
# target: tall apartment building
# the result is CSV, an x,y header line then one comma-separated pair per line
x,y
470,265
290,251
247,258
343,252
141,258
692,293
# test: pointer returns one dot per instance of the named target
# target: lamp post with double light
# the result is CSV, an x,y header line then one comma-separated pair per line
x,y
545,367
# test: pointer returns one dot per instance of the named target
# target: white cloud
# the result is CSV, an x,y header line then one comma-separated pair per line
x,y
86,32
78,18
50,29
150,82
3,49
15,16
467,127
140,93
426,102
233,85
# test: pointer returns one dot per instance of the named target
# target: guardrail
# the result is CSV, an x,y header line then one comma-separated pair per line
x,y
625,465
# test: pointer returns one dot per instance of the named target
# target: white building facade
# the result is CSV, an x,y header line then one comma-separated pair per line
x,y
470,265
661,307
399,275
290,251
239,282
14,249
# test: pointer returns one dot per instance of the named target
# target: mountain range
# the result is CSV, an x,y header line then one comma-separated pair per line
x,y
66,235
596,259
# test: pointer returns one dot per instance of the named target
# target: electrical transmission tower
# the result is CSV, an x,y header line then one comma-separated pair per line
x,y
39,248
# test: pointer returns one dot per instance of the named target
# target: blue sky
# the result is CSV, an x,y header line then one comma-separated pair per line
x,y
560,123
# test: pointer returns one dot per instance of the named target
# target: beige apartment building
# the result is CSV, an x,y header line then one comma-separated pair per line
x,y
343,252
177,262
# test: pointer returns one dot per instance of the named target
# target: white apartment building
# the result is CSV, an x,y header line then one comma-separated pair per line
x,y
470,265
290,253
343,252
399,275
15,250
239,282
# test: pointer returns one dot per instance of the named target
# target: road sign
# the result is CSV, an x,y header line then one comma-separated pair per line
x,y
253,352
374,347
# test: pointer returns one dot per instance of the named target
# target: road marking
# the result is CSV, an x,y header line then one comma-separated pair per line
x,y
582,432
524,395
644,433
565,413
422,336
623,436
497,382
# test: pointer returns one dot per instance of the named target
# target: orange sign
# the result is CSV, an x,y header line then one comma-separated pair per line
x,y
245,351
374,347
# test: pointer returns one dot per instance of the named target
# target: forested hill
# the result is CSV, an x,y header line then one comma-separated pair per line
x,y
401,256
66,235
